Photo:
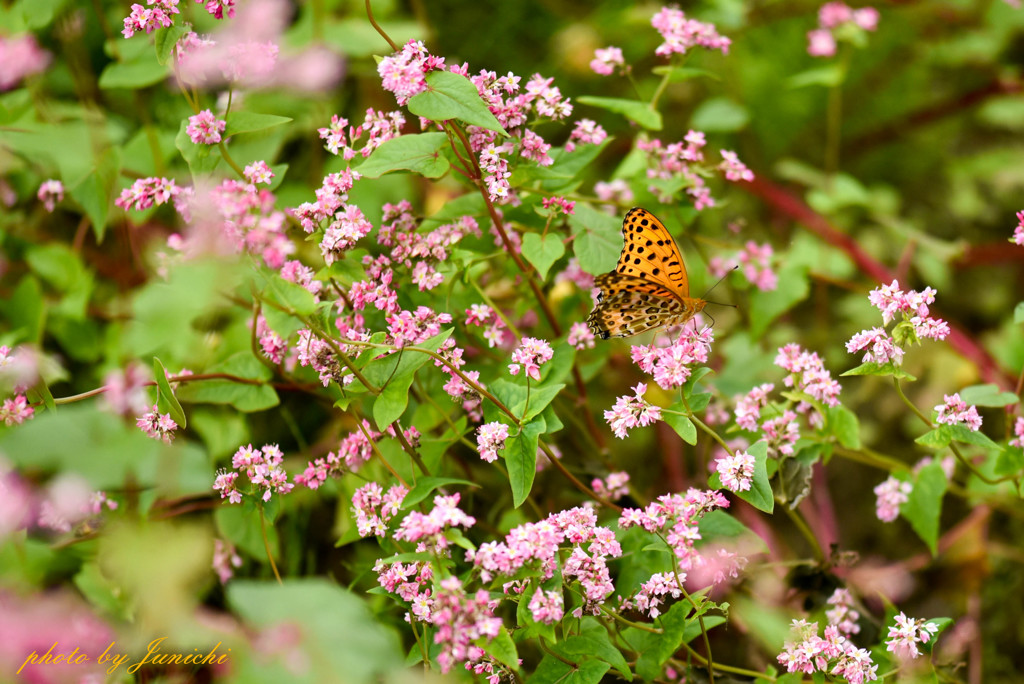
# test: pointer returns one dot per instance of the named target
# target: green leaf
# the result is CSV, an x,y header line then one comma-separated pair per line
x,y
416,152
521,459
530,628
96,191
719,525
394,375
138,72
290,297
551,670
720,114
760,494
828,76
542,251
1009,461
25,309
597,240
940,437
516,398
166,399
426,485
390,404
201,159
593,643
634,110
655,649
924,505
453,96
339,633
765,307
248,122
881,369
256,395
988,395
843,424
165,40
1018,313
676,74
683,426
502,649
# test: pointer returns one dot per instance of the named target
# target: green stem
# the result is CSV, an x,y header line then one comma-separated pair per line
x,y
231,162
266,545
801,525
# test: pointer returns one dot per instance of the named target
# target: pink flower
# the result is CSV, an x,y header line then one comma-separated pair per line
x,y
218,8
606,59
490,438
906,634
733,168
580,336
842,614
757,266
866,18
567,207
833,654
403,72
891,494
833,14
820,43
680,34
877,346
808,374
125,390
546,606
1018,232
956,412
1018,430
782,432
50,192
204,128
146,192
617,190
748,407
148,20
263,469
16,411
20,56
614,487
258,172
531,354
671,366
630,412
374,509
428,526
225,560
157,426
736,471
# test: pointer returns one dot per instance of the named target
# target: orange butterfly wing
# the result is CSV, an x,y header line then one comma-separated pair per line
x,y
648,288
650,253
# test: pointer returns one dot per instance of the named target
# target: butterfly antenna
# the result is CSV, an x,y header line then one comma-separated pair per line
x,y
719,282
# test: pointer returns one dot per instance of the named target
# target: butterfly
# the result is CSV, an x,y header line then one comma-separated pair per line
x,y
648,288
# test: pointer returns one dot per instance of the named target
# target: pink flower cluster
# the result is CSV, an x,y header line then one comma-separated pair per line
x,y
889,496
219,8
1018,430
736,471
530,355
16,410
263,469
426,528
614,487
834,18
680,34
331,197
580,336
546,607
348,227
379,126
483,315
757,266
842,613
50,192
125,390
955,411
652,593
374,508
490,438
733,169
20,56
881,347
606,60
676,518
536,546
1018,232
461,621
149,20
225,560
403,72
258,173
684,160
630,412
833,654
146,192
567,207
617,191
204,128
671,365
585,132
157,425
748,407
906,634
353,451
808,375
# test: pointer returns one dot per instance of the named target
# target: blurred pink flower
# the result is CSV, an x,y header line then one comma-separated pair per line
x,y
20,56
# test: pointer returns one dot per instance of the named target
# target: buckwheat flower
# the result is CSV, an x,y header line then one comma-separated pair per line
x,y
736,471
1018,232
147,192
349,226
890,495
374,509
460,620
890,300
842,614
157,425
733,168
833,14
630,412
20,56
782,432
50,192
546,606
16,411
615,487
446,513
606,59
748,407
225,560
490,438
617,190
1018,430
680,34
821,43
531,354
149,19
204,128
413,327
906,634
567,207
877,345
866,18
225,484
219,8
258,172
833,654
125,390
650,597
808,374
585,132
955,411
580,336
403,72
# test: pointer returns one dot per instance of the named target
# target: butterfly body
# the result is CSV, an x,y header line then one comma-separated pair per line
x,y
648,288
